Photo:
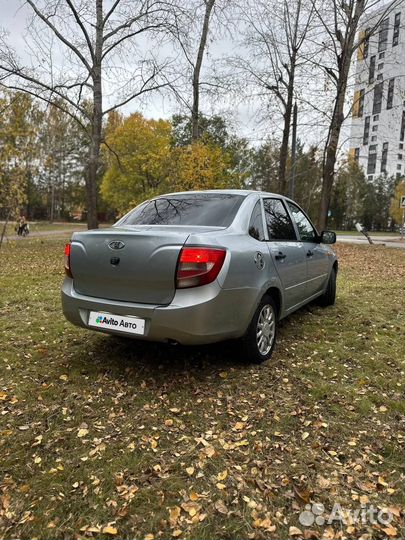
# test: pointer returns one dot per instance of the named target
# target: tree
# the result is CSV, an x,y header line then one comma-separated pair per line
x,y
396,212
138,162
17,140
348,195
340,22
62,154
215,131
276,33
202,166
98,48
191,32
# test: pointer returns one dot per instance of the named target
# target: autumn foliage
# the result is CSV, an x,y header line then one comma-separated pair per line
x,y
144,162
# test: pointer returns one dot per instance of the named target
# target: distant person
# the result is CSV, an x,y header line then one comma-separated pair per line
x,y
23,227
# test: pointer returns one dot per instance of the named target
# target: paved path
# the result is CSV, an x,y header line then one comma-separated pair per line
x,y
387,241
37,234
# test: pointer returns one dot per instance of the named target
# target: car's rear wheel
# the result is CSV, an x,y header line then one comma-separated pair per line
x,y
329,296
260,338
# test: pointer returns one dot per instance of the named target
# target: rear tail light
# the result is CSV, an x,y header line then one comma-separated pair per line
x,y
68,270
198,266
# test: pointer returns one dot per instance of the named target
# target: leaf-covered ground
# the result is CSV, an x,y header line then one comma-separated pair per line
x,y
104,437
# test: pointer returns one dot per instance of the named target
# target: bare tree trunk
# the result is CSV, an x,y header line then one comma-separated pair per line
x,y
96,123
209,4
282,180
3,232
345,41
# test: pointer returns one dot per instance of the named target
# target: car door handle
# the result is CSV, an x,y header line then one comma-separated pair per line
x,y
280,256
309,253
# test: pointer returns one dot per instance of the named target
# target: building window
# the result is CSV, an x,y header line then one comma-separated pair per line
x,y
380,66
377,100
373,138
358,103
384,157
402,132
390,95
381,55
356,154
395,35
371,70
380,77
400,156
401,146
375,127
366,132
376,118
383,35
398,167
372,159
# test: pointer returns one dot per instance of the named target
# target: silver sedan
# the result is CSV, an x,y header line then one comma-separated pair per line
x,y
200,267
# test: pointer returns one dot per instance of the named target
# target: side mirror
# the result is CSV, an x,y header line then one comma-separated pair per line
x,y
327,237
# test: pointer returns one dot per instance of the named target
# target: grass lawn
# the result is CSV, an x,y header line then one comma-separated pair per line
x,y
371,233
104,437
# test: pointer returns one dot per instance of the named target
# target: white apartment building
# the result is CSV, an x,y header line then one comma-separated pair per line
x,y
377,135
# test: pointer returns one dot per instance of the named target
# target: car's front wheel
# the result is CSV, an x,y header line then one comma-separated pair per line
x,y
259,341
329,296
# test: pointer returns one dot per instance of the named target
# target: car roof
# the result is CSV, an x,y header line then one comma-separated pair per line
x,y
244,192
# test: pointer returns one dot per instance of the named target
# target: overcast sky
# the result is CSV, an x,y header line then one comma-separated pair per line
x,y
243,115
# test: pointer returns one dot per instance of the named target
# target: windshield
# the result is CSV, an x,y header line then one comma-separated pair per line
x,y
206,209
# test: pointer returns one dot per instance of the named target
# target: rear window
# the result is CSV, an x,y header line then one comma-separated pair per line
x,y
206,209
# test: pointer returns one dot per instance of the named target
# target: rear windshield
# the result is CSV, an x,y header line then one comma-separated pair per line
x,y
207,209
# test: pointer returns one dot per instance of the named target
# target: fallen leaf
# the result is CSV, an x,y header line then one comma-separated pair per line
x,y
109,530
190,471
294,531
220,506
304,436
82,432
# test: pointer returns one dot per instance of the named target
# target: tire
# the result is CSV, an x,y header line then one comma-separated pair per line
x,y
329,296
253,349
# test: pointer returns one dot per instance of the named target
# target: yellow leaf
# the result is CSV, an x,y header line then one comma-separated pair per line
x,y
390,531
223,374
222,475
82,432
238,426
305,435
63,377
149,537
176,533
37,460
220,486
190,471
169,422
174,514
110,530
3,396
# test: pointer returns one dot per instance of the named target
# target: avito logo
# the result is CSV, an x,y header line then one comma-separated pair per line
x,y
104,320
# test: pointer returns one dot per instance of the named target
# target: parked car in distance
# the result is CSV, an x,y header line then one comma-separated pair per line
x,y
200,267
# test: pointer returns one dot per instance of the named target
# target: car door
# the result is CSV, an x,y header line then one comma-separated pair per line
x,y
286,251
316,254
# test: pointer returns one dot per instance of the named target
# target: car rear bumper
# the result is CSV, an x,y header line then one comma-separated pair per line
x,y
195,316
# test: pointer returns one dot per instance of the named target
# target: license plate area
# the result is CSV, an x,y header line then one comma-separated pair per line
x,y
118,323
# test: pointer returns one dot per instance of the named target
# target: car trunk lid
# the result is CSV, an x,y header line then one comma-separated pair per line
x,y
130,264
